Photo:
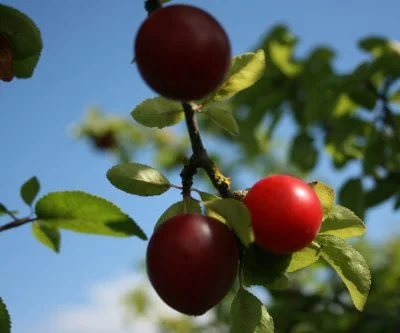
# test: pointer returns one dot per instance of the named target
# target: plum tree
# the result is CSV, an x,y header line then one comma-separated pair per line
x,y
285,211
192,262
182,52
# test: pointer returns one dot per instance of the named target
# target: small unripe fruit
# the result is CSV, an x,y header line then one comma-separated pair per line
x,y
192,262
182,52
286,213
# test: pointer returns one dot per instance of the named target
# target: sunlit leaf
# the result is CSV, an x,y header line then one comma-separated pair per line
x,y
82,212
47,235
342,222
350,265
191,206
236,215
158,112
138,179
222,117
246,70
303,258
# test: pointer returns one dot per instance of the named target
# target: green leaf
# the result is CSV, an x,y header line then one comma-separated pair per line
x,y
374,154
326,195
3,209
5,321
261,267
24,68
374,44
281,54
29,190
138,179
248,314
22,33
82,212
192,206
280,283
47,235
388,64
351,195
303,258
158,112
350,265
222,117
383,189
246,69
303,153
208,196
343,223
395,98
236,215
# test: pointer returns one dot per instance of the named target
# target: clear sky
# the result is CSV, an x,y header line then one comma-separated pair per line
x,y
85,62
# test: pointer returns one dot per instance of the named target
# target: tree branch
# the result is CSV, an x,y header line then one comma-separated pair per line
x,y
17,223
388,115
200,159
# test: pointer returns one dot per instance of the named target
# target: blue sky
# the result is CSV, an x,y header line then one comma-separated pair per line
x,y
85,62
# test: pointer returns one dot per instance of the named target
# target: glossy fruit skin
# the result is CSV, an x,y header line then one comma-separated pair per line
x,y
182,52
286,213
192,262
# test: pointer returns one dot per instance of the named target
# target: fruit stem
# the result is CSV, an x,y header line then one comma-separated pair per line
x,y
200,159
152,5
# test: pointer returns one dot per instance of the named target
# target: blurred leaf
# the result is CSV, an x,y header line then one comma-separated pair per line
x,y
138,179
5,321
47,235
3,209
303,153
24,36
192,206
29,190
343,223
82,212
374,154
280,283
6,60
158,112
388,64
24,68
356,86
395,98
246,69
281,54
236,215
208,196
383,190
248,315
137,300
351,195
326,195
261,267
350,265
222,117
375,45
303,258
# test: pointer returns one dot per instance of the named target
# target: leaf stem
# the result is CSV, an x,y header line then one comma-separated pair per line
x,y
17,223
